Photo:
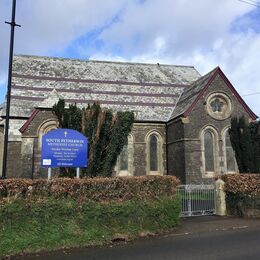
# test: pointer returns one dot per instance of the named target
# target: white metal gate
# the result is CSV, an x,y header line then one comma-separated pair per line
x,y
197,200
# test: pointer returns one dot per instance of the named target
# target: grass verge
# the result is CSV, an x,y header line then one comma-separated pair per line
x,y
48,224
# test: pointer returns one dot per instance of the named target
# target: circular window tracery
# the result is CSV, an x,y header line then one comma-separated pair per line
x,y
219,106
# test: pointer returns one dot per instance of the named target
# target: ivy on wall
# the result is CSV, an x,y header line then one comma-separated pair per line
x,y
107,133
245,140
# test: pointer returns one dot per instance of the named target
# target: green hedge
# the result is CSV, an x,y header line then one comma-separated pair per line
x,y
93,189
243,194
51,223
45,215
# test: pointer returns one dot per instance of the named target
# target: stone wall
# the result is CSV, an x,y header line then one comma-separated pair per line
x,y
140,132
29,149
14,161
176,149
199,119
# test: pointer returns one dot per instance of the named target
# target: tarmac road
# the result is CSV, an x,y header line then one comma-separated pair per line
x,y
197,238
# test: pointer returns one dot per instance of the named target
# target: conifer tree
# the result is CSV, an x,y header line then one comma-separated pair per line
x,y
245,142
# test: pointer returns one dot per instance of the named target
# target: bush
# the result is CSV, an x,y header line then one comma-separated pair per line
x,y
242,194
248,184
92,189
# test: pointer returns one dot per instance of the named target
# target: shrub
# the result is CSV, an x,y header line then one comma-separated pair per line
x,y
92,189
242,194
248,184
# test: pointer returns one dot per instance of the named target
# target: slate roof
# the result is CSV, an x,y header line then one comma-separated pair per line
x,y
155,92
150,90
190,93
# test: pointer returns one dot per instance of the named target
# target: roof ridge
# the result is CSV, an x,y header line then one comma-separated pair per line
x,y
102,61
202,78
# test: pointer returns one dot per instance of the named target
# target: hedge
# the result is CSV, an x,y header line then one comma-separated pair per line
x,y
93,189
41,215
242,183
243,194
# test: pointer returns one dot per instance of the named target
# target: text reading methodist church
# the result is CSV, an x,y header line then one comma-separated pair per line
x,y
182,118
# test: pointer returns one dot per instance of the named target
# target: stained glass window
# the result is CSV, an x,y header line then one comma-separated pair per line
x,y
230,155
209,151
216,105
153,153
123,160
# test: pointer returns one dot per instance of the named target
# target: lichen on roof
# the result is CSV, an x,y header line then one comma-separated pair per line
x,y
151,90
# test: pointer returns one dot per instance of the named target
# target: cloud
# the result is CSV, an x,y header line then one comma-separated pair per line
x,y
184,28
51,26
211,33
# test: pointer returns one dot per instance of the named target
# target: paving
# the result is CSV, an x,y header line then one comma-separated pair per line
x,y
214,223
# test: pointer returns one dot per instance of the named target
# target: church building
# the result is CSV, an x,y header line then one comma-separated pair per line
x,y
181,118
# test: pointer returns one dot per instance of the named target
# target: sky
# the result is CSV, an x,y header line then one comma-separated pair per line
x,y
201,33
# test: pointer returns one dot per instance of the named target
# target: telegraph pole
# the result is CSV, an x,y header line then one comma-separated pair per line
x,y
8,96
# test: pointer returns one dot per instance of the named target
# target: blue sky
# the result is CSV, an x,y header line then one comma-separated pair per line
x,y
207,34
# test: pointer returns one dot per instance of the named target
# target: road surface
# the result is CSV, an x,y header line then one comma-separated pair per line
x,y
196,239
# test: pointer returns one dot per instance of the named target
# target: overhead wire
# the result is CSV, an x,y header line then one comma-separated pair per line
x,y
250,2
253,1
256,4
251,94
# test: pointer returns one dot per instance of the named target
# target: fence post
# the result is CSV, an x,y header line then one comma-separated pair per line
x,y
221,209
189,202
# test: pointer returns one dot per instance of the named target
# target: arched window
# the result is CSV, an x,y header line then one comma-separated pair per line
x,y
154,154
153,145
209,151
209,148
229,154
45,128
125,160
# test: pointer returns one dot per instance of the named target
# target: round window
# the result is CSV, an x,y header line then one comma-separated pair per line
x,y
219,106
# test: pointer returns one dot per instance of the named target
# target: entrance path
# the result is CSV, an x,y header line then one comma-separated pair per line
x,y
196,238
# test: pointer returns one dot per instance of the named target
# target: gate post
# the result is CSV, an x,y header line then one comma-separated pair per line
x,y
221,209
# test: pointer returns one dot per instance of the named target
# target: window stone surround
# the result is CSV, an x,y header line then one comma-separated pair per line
x,y
130,149
159,153
223,136
224,111
217,158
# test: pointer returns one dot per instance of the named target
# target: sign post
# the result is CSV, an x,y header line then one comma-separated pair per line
x,y
49,173
64,148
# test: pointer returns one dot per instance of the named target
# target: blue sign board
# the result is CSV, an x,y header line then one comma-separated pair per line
x,y
64,148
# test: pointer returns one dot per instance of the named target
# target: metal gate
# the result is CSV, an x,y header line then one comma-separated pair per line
x,y
197,200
